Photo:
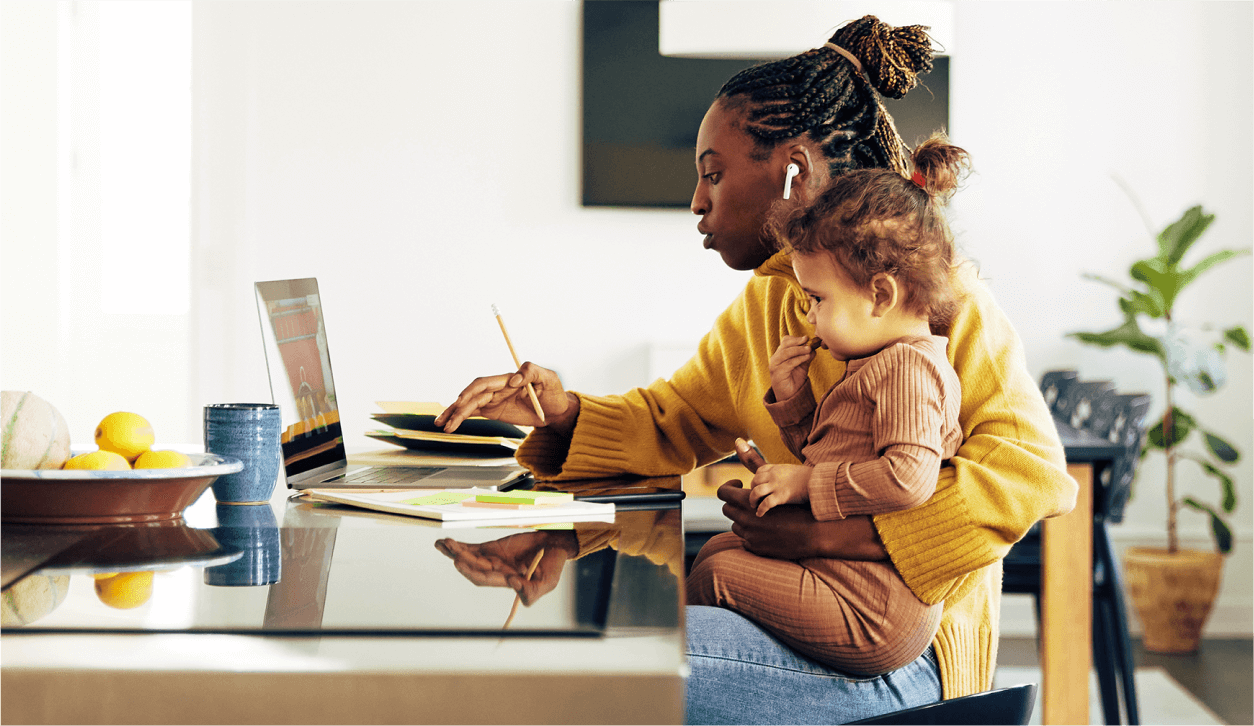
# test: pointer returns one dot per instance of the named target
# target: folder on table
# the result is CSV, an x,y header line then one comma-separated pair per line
x,y
413,427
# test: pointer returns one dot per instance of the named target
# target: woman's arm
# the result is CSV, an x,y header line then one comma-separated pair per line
x,y
790,532
665,429
1009,473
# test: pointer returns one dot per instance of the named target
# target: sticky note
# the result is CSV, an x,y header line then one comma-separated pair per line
x,y
438,498
526,497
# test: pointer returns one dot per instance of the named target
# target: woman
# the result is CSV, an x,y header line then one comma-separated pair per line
x,y
791,125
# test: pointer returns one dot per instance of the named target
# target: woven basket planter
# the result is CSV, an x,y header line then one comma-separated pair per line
x,y
1173,594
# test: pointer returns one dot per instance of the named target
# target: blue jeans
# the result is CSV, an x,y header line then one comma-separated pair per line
x,y
742,675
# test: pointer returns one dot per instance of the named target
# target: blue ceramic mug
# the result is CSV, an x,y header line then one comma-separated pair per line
x,y
250,432
254,529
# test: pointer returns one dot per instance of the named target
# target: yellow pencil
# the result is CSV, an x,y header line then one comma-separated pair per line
x,y
535,400
518,598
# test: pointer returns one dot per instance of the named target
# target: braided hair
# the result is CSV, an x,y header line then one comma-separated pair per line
x,y
822,93
876,220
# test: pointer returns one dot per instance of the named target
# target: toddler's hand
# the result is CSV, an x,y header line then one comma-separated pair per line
x,y
776,484
790,364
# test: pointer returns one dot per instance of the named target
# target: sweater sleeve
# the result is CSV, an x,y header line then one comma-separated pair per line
x,y
794,416
906,391
665,429
1009,473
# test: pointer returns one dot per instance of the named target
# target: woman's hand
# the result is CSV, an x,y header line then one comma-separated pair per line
x,y
790,364
791,532
505,398
776,484
750,457
504,562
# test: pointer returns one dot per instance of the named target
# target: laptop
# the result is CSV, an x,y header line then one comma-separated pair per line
x,y
298,364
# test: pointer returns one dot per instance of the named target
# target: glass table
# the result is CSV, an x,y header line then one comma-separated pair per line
x,y
297,611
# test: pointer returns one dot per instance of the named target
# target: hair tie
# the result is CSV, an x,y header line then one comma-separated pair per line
x,y
918,179
856,63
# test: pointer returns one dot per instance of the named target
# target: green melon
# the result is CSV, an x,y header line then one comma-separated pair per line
x,y
32,598
35,435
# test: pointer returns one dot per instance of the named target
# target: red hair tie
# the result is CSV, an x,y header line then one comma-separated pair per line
x,y
918,179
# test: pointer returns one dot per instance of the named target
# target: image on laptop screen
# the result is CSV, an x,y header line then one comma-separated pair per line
x,y
299,368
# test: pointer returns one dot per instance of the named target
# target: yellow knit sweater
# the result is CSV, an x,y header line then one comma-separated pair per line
x,y
1009,472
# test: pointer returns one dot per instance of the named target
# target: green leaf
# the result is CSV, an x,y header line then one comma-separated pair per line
x,y
1182,424
1121,287
1223,535
1238,337
1189,275
1138,303
1128,334
1222,450
1176,239
1160,281
1164,281
1229,502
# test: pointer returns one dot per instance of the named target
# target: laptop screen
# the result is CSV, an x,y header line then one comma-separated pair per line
x,y
299,367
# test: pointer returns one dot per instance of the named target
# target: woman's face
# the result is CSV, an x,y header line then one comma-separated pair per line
x,y
734,191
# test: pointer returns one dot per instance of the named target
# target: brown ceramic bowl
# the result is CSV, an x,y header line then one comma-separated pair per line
x,y
58,496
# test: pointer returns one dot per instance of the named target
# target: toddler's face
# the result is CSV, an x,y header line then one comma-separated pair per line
x,y
840,311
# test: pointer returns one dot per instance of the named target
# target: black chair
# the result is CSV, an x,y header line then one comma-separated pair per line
x,y
1054,385
1011,705
1096,407
1080,401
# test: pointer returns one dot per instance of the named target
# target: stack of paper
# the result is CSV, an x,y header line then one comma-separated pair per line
x,y
473,505
413,427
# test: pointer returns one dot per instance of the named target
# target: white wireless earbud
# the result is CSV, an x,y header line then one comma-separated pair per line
x,y
789,172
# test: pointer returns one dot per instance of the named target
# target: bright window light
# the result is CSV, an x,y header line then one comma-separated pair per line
x,y
145,156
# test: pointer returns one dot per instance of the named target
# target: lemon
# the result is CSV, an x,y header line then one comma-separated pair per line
x,y
162,459
125,590
128,434
98,460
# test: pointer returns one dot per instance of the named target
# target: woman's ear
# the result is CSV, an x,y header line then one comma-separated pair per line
x,y
884,294
801,180
795,171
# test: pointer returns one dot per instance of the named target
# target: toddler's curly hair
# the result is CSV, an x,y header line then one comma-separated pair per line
x,y
877,220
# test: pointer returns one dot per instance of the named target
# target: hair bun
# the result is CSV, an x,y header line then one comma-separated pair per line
x,y
941,165
892,57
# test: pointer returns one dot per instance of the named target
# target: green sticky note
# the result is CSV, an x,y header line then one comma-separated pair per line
x,y
438,498
525,497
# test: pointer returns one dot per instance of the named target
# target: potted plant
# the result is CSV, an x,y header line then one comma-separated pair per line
x,y
1172,588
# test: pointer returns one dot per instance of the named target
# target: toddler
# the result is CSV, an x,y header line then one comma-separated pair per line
x,y
874,255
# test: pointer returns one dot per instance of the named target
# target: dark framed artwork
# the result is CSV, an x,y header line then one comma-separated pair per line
x,y
641,110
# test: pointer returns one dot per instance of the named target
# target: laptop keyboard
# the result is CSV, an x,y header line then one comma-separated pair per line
x,y
389,475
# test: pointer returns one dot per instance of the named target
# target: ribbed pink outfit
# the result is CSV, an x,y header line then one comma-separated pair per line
x,y
876,445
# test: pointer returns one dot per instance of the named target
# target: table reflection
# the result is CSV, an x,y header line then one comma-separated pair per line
x,y
298,567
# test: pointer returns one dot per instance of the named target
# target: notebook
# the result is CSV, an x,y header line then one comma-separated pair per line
x,y
298,363
478,506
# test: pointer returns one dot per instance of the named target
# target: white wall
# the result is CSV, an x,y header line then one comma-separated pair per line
x,y
422,160
1055,98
